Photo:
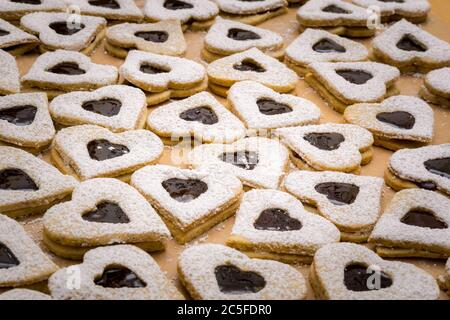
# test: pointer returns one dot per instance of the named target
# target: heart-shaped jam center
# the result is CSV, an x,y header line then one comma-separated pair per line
x,y
204,115
3,33
325,140
119,277
355,76
276,219
7,258
151,69
439,166
177,5
358,277
15,179
107,107
67,68
242,35
64,28
409,43
233,280
335,9
103,150
328,45
400,119
184,190
107,212
271,107
110,4
19,115
153,36
423,218
338,193
35,2
249,65
243,159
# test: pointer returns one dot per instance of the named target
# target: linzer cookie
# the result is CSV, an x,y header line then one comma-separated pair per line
x,y
315,45
24,295
14,40
414,225
398,122
415,11
346,271
9,82
251,64
21,261
193,14
164,37
258,162
125,10
217,272
25,121
251,12
263,109
28,185
116,107
13,10
436,88
410,48
444,280
227,37
200,117
344,83
331,146
336,16
191,202
60,71
121,272
272,224
163,77
102,211
57,31
90,151
352,203
426,168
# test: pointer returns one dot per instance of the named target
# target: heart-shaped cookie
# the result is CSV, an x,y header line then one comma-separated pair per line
x,y
93,151
121,272
24,294
415,11
12,10
10,82
397,122
258,162
436,88
272,224
353,272
117,107
217,272
15,40
21,261
110,9
416,224
102,211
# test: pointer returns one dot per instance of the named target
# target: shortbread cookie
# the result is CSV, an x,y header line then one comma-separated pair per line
x,y
227,37
14,40
190,202
163,77
414,225
121,272
345,83
351,202
410,48
444,280
315,45
415,11
252,65
126,10
263,109
195,14
272,224
21,261
251,12
102,211
23,295
436,88
398,122
117,107
9,82
331,146
164,37
13,10
346,271
336,16
201,117
90,151
60,71
426,167
29,185
25,121
216,272
57,31
258,162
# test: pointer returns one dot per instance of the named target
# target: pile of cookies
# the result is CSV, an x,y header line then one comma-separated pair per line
x,y
81,145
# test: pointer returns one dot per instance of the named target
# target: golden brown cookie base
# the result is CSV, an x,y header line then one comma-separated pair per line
x,y
301,70
34,209
217,89
356,237
254,19
29,149
189,287
116,51
396,182
398,17
20,49
302,165
345,31
389,252
434,99
210,56
396,144
316,285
